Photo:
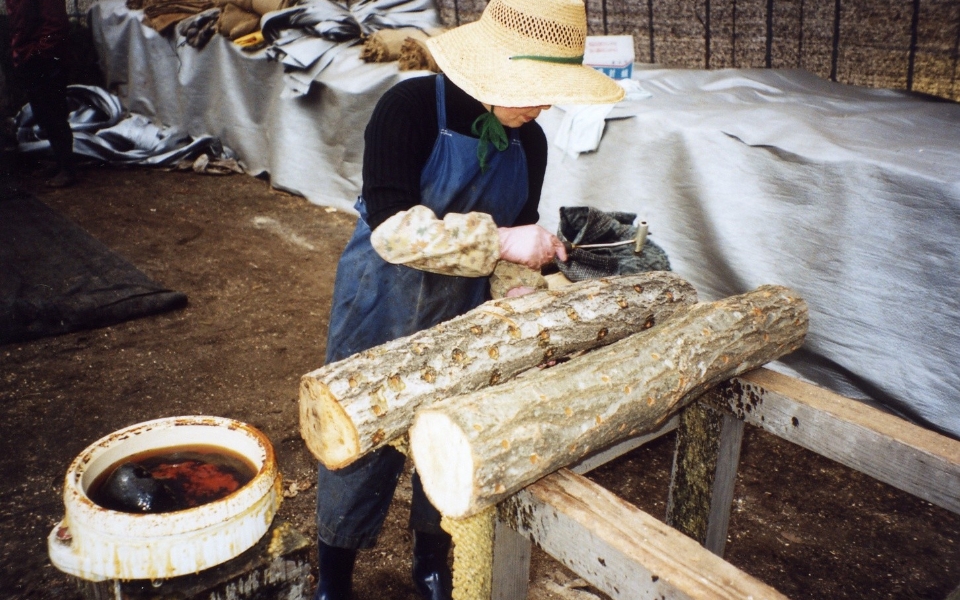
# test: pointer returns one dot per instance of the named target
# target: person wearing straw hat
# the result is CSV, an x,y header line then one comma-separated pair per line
x,y
452,171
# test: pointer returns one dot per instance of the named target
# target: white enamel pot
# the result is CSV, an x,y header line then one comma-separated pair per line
x,y
94,543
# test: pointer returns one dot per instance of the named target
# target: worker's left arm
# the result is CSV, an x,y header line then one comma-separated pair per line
x,y
463,244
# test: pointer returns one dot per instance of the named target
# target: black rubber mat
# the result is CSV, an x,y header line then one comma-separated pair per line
x,y
56,278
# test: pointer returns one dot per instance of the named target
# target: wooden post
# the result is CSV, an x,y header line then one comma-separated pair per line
x,y
704,472
511,563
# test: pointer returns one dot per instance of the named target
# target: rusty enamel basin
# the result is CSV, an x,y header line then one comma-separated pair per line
x,y
97,544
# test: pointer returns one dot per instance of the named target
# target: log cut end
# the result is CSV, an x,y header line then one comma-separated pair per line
x,y
327,430
443,457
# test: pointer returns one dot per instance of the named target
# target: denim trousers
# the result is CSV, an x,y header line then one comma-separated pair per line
x,y
352,502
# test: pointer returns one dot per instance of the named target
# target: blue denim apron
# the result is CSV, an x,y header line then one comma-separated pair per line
x,y
375,302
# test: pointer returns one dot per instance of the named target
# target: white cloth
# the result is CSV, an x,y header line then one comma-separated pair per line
x,y
582,125
581,128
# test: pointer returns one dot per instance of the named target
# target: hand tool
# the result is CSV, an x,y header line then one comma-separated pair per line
x,y
637,242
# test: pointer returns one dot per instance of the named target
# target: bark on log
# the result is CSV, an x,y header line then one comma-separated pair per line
x,y
474,450
363,402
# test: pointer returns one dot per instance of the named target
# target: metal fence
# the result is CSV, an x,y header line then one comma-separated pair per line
x,y
75,8
902,44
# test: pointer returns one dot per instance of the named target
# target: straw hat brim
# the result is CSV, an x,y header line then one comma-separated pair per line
x,y
480,65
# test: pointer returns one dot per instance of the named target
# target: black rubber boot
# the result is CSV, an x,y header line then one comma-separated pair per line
x,y
336,573
431,574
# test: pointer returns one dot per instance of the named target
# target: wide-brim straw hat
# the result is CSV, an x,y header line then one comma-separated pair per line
x,y
490,59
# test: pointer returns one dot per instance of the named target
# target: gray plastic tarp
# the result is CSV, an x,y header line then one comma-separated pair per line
x,y
103,132
311,144
848,195
851,196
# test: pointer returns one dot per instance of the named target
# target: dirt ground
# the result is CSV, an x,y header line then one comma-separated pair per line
x,y
258,267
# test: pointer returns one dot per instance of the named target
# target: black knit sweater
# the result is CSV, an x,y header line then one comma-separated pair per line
x,y
400,137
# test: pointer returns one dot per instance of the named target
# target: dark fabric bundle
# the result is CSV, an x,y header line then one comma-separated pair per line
x,y
585,225
198,30
56,278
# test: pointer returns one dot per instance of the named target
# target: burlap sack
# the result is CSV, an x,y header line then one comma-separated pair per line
x,y
384,45
163,14
260,7
414,56
235,22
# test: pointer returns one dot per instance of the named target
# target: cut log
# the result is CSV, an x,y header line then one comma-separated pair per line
x,y
474,450
363,402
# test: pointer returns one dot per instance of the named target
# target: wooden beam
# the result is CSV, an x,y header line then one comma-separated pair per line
x,y
884,446
618,548
512,551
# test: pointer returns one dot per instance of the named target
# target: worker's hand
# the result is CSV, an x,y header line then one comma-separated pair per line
x,y
530,245
522,290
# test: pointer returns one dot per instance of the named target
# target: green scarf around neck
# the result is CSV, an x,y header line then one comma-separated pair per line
x,y
491,131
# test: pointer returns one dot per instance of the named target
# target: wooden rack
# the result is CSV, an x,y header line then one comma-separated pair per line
x,y
628,554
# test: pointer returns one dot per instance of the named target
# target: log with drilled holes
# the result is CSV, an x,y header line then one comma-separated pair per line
x,y
361,403
474,450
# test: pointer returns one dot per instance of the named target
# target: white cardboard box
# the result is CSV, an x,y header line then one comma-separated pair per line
x,y
610,54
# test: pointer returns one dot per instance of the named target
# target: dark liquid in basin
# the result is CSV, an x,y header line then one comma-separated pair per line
x,y
171,479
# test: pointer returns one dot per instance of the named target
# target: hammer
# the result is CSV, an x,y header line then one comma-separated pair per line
x,y
637,242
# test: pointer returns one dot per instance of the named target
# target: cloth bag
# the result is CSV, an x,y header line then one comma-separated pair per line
x,y
586,225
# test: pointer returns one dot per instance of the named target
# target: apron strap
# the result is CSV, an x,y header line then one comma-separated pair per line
x,y
441,104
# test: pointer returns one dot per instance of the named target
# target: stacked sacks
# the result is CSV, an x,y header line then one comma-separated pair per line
x,y
231,18
406,45
239,18
162,15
